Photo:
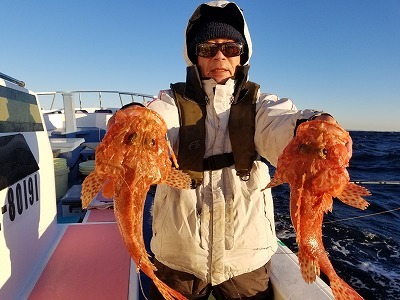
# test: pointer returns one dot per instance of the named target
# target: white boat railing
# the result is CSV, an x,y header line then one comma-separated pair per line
x,y
62,108
94,98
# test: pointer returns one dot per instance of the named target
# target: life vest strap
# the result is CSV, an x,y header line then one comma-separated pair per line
x,y
219,161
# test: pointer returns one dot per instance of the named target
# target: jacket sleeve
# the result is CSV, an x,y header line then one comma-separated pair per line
x,y
166,107
275,123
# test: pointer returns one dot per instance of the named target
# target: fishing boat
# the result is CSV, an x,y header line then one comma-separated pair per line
x,y
49,247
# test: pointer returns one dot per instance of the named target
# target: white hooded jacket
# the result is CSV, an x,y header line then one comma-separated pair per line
x,y
225,227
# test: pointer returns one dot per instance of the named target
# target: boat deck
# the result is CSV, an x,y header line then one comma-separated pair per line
x,y
89,262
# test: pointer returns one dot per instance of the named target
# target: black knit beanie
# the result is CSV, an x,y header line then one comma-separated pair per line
x,y
213,30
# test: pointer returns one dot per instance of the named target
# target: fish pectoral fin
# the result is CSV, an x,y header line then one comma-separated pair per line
x,y
90,187
352,195
178,179
309,266
273,183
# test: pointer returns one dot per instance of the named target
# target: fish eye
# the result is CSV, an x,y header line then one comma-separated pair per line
x,y
304,149
323,153
130,138
151,142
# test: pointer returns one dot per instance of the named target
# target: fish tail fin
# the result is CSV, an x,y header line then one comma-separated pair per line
x,y
309,267
342,291
166,291
90,187
352,195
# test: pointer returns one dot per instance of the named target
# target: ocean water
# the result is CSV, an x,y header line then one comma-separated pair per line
x,y
363,246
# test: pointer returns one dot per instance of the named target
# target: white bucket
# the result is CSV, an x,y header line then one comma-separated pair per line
x,y
61,171
86,167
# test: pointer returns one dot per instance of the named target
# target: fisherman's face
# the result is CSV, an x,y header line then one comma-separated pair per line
x,y
218,67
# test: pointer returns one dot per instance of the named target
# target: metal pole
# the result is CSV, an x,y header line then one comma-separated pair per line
x,y
376,182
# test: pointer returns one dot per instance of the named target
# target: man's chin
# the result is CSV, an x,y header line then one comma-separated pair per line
x,y
221,78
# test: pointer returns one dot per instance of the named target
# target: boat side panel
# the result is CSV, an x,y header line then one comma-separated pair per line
x,y
27,189
287,281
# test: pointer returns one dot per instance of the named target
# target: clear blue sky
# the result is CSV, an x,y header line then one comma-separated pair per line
x,y
341,56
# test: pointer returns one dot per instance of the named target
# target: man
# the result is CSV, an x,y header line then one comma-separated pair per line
x,y
219,236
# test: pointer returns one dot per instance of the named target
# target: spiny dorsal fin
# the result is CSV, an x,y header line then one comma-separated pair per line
x,y
273,183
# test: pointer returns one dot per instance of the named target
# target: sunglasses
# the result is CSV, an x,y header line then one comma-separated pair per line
x,y
229,49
